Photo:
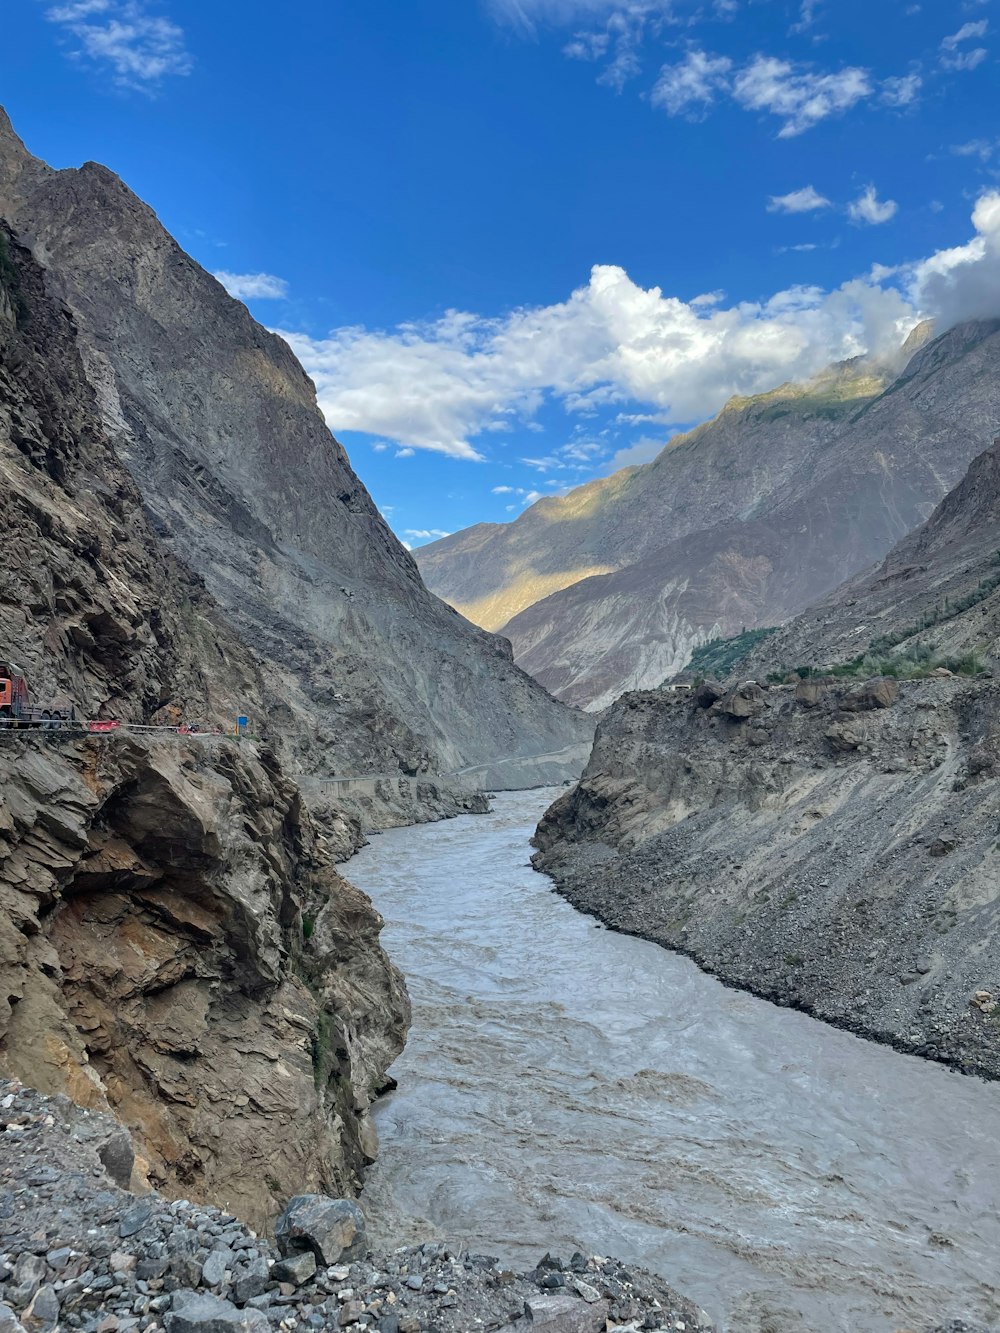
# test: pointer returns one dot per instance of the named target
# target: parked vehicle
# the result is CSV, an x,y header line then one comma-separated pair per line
x,y
17,709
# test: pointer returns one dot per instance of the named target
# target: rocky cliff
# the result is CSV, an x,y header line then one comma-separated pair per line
x,y
365,671
743,522
831,846
175,942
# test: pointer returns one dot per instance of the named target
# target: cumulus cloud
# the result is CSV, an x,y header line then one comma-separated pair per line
x,y
425,534
443,384
964,282
872,210
140,48
805,200
253,286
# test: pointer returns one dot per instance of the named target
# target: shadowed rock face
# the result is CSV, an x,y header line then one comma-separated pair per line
x,y
175,942
831,848
217,422
937,590
744,522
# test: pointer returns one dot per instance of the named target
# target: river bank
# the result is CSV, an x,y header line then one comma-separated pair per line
x,y
831,847
568,1087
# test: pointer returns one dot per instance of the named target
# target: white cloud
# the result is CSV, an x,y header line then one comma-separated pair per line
x,y
405,452
869,208
440,385
965,60
504,490
253,286
805,200
964,282
953,58
800,97
965,33
692,84
425,534
139,47
901,91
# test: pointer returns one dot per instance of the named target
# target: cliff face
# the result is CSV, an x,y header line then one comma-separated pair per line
x,y
175,942
744,522
826,846
218,424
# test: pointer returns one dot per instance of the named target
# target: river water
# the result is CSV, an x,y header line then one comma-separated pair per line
x,y
568,1087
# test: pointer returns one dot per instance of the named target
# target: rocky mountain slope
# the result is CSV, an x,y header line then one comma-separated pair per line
x,y
831,845
936,595
744,522
366,672
175,942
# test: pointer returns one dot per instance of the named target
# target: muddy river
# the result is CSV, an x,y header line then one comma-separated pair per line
x,y
565,1087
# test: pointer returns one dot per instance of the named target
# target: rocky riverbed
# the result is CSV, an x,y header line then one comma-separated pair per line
x,y
78,1251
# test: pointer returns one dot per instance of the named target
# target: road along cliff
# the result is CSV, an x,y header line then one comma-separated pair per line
x,y
831,845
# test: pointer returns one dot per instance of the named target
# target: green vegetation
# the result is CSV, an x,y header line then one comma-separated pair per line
x,y
10,282
940,612
916,662
719,656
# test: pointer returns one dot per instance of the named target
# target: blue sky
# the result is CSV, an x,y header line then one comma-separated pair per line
x,y
520,242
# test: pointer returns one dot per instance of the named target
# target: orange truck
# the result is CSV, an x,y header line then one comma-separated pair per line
x,y
16,708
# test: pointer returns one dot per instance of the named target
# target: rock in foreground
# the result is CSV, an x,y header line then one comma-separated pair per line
x,y
78,1252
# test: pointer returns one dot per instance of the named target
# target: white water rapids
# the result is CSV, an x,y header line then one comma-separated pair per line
x,y
569,1088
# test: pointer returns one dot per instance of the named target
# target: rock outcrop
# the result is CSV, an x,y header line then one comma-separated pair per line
x,y
832,848
175,942
176,946
743,522
364,671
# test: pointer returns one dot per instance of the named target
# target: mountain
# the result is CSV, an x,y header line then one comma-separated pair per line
x,y
365,671
176,944
936,594
743,522
829,841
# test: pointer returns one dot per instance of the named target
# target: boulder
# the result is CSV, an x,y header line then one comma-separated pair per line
x,y
810,692
708,693
566,1314
334,1229
881,692
746,701
197,1312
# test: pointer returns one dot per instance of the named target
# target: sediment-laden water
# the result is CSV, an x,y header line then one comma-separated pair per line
x,y
571,1088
